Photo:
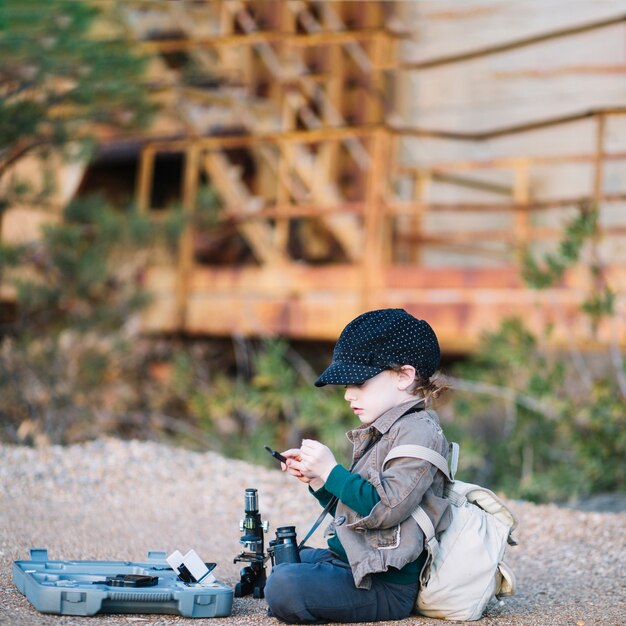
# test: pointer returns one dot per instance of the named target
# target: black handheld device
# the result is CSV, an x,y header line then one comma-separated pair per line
x,y
277,455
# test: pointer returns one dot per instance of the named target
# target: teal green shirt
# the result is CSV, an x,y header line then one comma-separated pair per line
x,y
361,496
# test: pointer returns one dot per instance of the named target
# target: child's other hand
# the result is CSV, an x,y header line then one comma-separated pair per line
x,y
317,459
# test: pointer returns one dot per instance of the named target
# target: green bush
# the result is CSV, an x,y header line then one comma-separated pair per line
x,y
275,404
538,424
528,426
72,352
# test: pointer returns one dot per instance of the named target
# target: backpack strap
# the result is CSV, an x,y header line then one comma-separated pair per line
x,y
453,456
418,514
428,454
430,540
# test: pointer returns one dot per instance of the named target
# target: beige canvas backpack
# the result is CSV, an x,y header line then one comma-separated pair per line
x,y
464,570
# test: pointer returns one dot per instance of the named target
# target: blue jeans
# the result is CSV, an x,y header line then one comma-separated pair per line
x,y
321,589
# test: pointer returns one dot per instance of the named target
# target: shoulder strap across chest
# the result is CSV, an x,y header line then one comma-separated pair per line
x,y
427,454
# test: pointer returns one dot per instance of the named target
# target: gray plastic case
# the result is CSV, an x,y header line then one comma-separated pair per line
x,y
79,588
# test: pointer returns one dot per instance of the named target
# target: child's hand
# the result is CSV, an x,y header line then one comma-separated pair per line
x,y
317,460
293,458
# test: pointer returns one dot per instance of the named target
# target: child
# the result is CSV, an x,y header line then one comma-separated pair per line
x,y
385,359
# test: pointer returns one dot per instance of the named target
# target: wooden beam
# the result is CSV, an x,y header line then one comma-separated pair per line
x,y
521,197
315,39
311,136
483,207
186,241
442,169
470,183
394,207
599,158
253,226
145,177
421,191
300,301
373,244
288,123
507,130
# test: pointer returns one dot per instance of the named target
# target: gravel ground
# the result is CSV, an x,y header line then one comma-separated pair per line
x,y
115,500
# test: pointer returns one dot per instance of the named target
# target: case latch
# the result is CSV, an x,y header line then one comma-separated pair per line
x,y
39,554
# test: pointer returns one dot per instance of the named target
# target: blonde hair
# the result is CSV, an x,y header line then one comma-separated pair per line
x,y
430,388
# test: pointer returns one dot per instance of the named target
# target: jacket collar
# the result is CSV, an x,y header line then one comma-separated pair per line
x,y
388,419
362,435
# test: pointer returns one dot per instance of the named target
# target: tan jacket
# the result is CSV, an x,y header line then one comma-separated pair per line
x,y
389,536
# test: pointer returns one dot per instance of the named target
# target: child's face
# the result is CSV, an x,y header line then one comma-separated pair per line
x,y
375,396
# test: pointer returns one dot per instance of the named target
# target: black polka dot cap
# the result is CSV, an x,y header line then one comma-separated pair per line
x,y
378,339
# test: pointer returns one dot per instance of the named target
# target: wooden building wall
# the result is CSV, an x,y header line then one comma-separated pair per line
x,y
479,67
370,154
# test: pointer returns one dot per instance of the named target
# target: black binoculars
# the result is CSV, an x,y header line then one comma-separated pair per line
x,y
284,549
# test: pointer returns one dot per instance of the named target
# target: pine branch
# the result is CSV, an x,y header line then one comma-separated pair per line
x,y
20,151
504,393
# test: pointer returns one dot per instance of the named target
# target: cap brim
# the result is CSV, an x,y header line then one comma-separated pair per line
x,y
347,374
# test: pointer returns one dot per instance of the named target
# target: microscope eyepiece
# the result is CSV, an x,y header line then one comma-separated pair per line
x,y
252,501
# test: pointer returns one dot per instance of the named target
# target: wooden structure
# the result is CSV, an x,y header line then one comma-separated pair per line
x,y
288,123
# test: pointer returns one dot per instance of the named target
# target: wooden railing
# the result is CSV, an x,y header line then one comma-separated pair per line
x,y
382,142
518,195
377,207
